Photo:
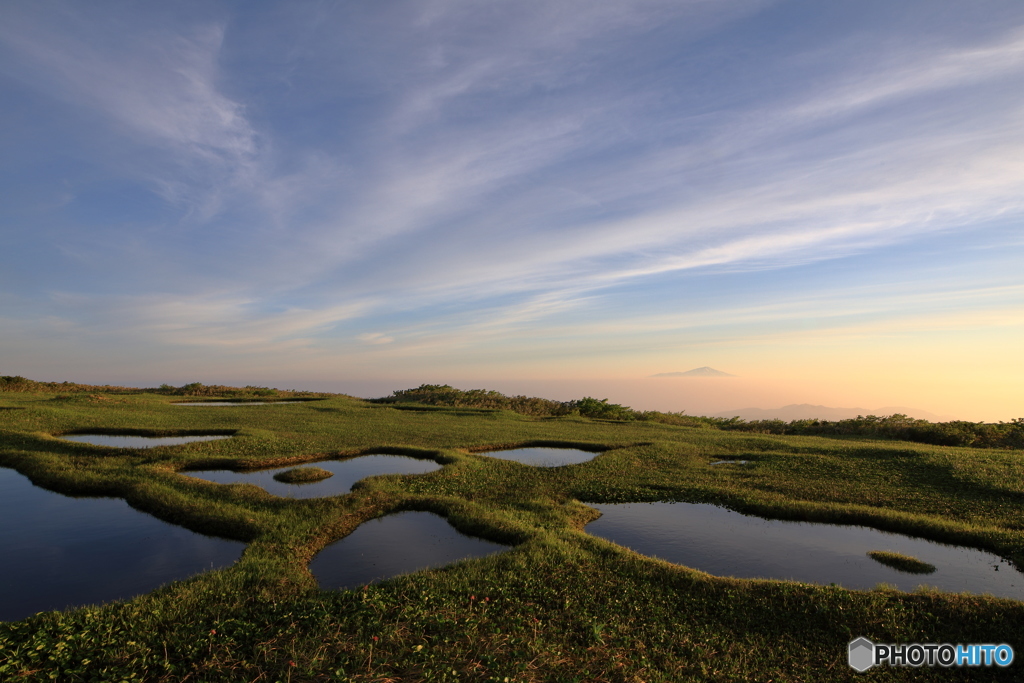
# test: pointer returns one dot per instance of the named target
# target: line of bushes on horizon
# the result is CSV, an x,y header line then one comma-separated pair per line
x,y
16,383
895,427
22,384
447,395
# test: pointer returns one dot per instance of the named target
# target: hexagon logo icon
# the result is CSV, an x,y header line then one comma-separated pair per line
x,y
862,654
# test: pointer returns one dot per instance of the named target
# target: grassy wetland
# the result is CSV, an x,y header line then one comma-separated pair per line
x,y
560,605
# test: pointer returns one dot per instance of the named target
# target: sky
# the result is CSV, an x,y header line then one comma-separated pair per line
x,y
557,197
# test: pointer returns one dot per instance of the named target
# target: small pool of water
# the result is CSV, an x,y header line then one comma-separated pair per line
x,y
238,403
396,544
544,457
120,441
727,543
346,473
60,551
730,462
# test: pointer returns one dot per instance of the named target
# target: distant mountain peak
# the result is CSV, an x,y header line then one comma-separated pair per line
x,y
696,372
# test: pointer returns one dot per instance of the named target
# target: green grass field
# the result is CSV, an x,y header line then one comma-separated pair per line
x,y
561,606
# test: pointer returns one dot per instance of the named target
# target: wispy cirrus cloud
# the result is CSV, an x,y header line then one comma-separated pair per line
x,y
159,87
913,74
806,200
212,321
416,179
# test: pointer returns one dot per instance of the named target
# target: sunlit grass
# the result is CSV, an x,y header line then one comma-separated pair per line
x,y
303,475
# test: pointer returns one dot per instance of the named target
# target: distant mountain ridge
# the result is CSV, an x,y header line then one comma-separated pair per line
x,y
696,372
806,411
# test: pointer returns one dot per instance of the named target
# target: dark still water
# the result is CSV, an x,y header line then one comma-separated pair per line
x,y
725,543
121,441
346,473
239,403
60,551
544,457
395,544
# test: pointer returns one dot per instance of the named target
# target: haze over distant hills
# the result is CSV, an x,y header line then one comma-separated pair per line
x,y
696,372
806,411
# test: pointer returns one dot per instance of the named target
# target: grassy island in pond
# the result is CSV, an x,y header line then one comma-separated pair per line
x,y
560,605
900,562
303,475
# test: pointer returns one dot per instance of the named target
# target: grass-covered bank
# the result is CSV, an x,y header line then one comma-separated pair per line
x,y
561,606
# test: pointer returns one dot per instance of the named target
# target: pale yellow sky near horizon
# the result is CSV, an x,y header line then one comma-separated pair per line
x,y
964,366
953,396
700,396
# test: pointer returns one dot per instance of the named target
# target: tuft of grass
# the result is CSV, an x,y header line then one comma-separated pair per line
x,y
901,562
303,475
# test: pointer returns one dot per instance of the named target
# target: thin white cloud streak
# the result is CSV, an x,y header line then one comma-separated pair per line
x,y
201,321
466,49
933,72
892,309
626,347
891,304
375,338
414,194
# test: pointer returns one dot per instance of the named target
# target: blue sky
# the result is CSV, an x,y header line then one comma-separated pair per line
x,y
824,199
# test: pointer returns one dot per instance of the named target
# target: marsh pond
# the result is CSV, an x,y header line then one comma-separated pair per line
x,y
396,544
62,551
134,441
344,473
543,456
726,543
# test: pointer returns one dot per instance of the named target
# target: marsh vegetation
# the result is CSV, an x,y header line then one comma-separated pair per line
x,y
557,604
901,562
303,475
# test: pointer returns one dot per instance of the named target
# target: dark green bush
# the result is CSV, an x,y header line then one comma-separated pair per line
x,y
899,427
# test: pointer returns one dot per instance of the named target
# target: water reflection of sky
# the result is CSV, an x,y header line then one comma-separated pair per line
x,y
60,551
346,473
396,544
121,441
544,457
234,403
726,543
